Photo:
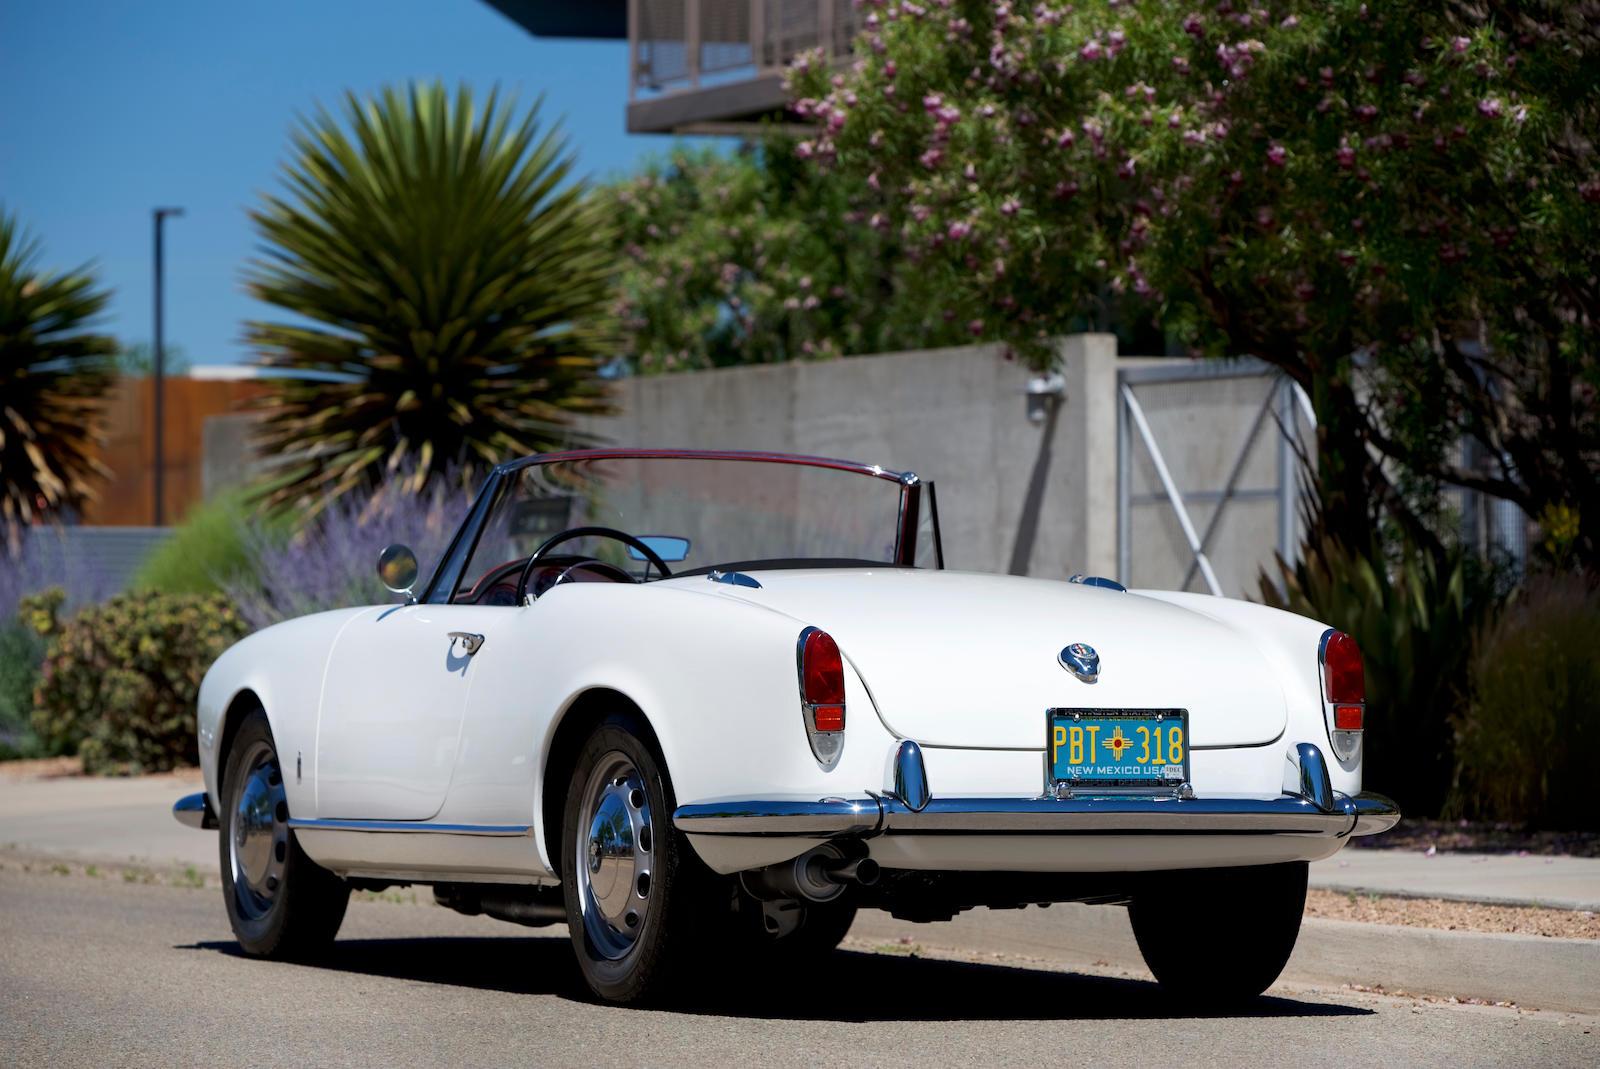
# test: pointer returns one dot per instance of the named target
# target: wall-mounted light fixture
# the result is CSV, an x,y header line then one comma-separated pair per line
x,y
1044,392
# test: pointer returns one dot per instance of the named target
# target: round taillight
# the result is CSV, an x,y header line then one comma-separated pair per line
x,y
1342,675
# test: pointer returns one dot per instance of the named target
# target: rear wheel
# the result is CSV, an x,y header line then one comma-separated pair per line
x,y
637,898
1220,936
281,904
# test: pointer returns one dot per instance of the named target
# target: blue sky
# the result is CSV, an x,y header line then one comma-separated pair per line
x,y
108,109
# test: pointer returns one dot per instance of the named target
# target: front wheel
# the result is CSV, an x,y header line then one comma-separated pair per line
x,y
1217,937
281,903
637,898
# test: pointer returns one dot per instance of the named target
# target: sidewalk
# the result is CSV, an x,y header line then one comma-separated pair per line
x,y
118,819
1501,879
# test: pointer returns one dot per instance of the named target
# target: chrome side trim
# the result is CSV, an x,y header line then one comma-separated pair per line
x,y
194,811
335,824
911,777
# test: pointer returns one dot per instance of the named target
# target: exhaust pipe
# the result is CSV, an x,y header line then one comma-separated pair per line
x,y
819,875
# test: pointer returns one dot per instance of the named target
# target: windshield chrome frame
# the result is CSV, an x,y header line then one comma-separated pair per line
x,y
908,516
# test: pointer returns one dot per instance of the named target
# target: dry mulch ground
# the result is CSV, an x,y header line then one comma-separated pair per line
x,y
1452,916
1469,837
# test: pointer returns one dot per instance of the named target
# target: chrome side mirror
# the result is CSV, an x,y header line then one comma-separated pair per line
x,y
397,568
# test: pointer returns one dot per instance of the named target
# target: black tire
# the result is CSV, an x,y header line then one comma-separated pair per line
x,y
643,962
298,916
1219,937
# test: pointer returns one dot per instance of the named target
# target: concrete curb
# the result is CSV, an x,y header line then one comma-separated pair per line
x,y
1531,971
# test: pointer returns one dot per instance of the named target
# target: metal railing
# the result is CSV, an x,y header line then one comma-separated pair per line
x,y
1284,400
682,45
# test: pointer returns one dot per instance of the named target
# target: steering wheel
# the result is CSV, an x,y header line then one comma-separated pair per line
x,y
624,537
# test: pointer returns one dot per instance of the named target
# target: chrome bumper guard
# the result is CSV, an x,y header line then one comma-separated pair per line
x,y
1308,806
194,811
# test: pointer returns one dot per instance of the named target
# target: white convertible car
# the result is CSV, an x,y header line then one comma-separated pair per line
x,y
753,702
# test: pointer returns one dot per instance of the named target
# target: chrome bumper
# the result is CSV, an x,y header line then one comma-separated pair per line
x,y
1308,806
194,811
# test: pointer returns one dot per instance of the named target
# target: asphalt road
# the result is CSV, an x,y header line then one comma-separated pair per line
x,y
104,972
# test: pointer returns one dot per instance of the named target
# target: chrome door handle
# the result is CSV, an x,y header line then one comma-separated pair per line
x,y
470,642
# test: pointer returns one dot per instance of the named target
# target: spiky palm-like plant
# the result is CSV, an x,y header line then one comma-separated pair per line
x,y
448,287
54,374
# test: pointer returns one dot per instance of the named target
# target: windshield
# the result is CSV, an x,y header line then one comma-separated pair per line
x,y
698,512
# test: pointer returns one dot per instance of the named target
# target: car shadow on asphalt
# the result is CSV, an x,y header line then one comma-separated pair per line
x,y
902,988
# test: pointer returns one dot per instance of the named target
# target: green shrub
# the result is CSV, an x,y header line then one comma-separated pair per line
x,y
205,552
1526,746
1414,620
21,652
119,680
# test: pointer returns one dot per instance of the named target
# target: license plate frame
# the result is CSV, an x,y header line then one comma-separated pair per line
x,y
1171,776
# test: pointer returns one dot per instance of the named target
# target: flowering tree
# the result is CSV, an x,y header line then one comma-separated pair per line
x,y
755,258
1345,191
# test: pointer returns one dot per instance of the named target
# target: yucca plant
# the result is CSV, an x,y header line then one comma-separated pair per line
x,y
54,373
448,288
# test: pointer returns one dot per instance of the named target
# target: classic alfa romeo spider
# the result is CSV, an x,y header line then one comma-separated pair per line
x,y
703,704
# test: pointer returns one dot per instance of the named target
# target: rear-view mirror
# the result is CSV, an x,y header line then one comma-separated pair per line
x,y
667,547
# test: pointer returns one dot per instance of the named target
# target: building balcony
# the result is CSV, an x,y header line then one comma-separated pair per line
x,y
716,66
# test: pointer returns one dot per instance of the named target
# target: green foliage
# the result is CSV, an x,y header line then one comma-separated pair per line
x,y
1339,187
1527,745
1414,619
445,282
207,551
120,679
753,258
21,652
54,373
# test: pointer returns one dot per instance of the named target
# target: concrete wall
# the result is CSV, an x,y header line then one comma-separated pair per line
x,y
1014,496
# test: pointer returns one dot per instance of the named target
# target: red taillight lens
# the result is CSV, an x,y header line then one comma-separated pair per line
x,y
1347,717
822,681
1342,675
824,670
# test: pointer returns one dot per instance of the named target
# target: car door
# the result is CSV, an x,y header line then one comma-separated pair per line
x,y
393,701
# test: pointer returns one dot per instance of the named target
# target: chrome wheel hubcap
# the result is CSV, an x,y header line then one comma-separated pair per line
x,y
613,856
258,844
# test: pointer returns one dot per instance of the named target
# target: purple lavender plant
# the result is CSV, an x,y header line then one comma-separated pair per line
x,y
332,563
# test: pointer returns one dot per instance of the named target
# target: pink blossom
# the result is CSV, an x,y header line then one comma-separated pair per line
x,y
1125,169
975,327
1277,154
805,149
1091,51
1180,64
1366,112
1010,206
931,158
889,69
1489,107
959,230
932,102
1193,26
872,181
1460,44
1068,190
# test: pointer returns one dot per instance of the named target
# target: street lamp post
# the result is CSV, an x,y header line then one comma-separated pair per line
x,y
160,370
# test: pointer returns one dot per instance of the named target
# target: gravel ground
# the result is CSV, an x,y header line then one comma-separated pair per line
x,y
1452,916
1470,837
